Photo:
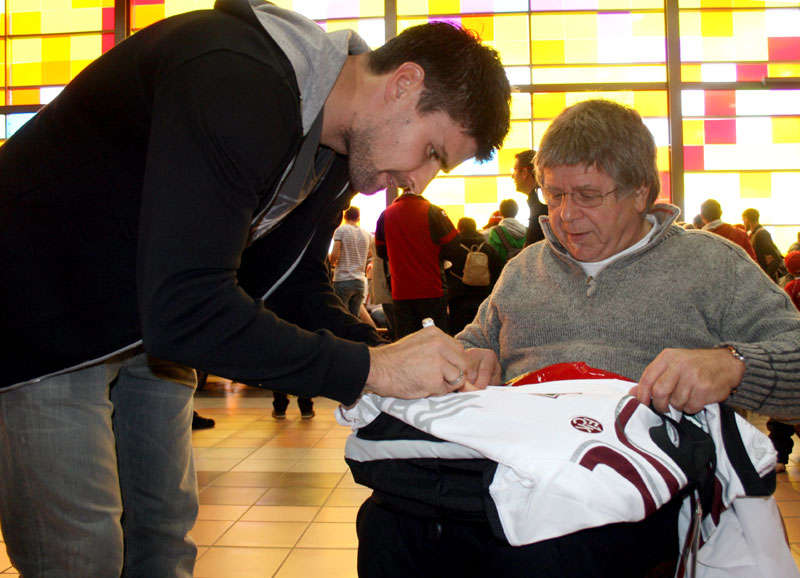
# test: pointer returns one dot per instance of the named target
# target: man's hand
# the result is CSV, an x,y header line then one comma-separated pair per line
x,y
428,362
689,379
483,369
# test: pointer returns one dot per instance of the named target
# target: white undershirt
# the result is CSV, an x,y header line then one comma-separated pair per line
x,y
592,269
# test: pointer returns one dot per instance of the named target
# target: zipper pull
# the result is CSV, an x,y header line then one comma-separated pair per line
x,y
591,285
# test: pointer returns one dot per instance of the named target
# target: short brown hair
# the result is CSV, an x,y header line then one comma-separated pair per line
x,y
463,78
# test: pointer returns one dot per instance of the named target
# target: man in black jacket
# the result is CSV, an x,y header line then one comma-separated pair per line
x,y
172,208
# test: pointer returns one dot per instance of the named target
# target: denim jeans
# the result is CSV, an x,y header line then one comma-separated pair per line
x,y
97,472
351,293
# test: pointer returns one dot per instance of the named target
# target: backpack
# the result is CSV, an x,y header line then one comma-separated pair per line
x,y
476,267
511,250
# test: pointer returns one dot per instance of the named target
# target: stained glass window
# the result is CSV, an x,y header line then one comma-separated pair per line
x,y
738,82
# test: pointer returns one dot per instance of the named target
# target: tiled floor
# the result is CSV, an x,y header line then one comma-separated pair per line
x,y
277,500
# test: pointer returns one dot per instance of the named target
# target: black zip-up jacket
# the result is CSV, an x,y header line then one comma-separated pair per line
x,y
125,209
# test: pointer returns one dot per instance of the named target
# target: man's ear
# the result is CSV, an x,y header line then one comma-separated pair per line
x,y
642,195
406,80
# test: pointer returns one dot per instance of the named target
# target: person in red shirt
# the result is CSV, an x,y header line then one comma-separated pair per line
x,y
410,235
711,213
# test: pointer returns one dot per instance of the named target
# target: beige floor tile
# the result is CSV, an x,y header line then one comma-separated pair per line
x,y
786,493
248,479
314,465
324,454
206,532
224,496
220,453
212,512
220,562
280,514
294,497
322,563
5,563
329,535
215,465
337,514
253,465
789,509
792,529
333,443
348,497
309,480
348,481
279,453
263,534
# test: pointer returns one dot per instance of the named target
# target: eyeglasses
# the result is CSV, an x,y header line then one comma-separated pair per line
x,y
586,198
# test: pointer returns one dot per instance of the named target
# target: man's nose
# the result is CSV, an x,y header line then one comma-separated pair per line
x,y
421,178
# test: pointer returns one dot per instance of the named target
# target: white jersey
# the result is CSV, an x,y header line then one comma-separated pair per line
x,y
571,454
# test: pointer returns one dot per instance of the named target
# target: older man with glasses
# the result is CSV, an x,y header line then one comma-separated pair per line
x,y
617,285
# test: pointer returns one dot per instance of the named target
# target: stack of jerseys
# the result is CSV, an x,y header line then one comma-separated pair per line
x,y
548,459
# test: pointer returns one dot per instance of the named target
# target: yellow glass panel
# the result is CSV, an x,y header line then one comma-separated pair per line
x,y
57,72
480,190
715,3
547,52
662,159
520,105
755,185
539,128
85,47
511,39
409,22
173,7
371,8
25,74
548,104
483,25
749,26
26,50
580,51
690,24
716,49
24,6
650,103
786,130
581,26
147,14
55,48
694,132
412,7
444,6
651,24
446,191
505,161
691,73
784,70
716,24
26,23
519,136
596,74
22,96
547,27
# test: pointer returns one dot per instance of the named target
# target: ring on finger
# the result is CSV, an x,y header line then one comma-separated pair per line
x,y
457,380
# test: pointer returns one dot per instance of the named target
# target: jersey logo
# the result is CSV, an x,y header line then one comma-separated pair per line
x,y
586,424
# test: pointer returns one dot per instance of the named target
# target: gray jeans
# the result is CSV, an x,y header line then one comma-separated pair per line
x,y
97,472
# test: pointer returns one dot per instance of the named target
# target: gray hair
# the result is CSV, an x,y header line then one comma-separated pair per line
x,y
607,135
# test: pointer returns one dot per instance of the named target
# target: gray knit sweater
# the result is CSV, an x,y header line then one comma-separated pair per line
x,y
684,289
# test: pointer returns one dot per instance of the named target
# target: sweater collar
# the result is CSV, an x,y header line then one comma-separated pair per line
x,y
317,57
664,213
